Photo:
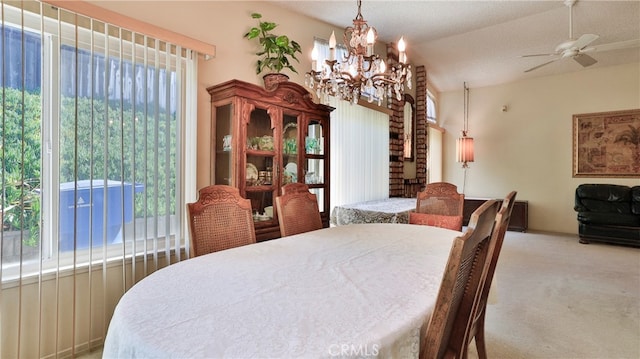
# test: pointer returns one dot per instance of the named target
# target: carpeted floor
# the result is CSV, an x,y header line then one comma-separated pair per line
x,y
556,298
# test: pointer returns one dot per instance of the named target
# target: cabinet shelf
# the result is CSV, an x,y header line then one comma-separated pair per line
x,y
316,157
261,153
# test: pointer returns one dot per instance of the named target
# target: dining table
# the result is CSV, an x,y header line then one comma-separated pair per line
x,y
360,290
385,210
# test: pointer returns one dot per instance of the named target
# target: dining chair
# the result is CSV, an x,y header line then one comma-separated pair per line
x,y
297,210
442,204
461,287
220,219
500,228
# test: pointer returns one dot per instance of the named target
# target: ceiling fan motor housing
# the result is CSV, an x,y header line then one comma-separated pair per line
x,y
565,46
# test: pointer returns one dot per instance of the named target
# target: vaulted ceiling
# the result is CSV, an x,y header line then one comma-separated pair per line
x,y
481,42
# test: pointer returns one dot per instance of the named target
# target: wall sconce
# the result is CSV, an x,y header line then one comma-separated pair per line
x,y
464,144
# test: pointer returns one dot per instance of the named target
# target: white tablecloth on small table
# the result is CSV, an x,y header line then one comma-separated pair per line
x,y
347,291
388,210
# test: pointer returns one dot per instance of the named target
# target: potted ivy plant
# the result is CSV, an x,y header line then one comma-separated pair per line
x,y
275,51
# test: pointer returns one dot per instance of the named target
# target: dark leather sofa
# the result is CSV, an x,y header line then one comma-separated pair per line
x,y
608,213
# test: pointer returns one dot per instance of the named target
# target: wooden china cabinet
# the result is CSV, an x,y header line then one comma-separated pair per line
x,y
262,140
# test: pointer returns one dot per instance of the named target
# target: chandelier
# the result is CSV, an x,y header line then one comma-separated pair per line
x,y
361,72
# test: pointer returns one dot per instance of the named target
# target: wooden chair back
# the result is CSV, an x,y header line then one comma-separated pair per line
x,y
461,287
501,224
297,210
295,187
220,219
442,199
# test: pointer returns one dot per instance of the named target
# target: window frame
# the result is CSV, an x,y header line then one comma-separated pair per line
x,y
431,100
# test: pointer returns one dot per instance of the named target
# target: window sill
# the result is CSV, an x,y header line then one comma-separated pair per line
x,y
84,261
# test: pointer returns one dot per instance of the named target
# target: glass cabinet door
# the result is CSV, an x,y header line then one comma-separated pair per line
x,y
290,150
224,145
260,161
314,141
314,153
314,170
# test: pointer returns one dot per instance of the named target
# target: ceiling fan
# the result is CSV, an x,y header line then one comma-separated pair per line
x,y
576,49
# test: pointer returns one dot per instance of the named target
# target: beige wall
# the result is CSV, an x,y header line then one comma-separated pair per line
x,y
528,148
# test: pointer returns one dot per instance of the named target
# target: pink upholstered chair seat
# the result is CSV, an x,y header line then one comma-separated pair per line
x,y
436,220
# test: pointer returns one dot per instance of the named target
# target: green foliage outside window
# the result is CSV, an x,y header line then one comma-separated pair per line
x,y
20,133
129,143
103,133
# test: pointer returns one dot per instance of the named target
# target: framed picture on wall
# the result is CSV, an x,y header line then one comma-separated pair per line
x,y
606,144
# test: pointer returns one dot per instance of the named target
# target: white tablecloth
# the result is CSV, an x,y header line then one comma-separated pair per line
x,y
348,291
388,210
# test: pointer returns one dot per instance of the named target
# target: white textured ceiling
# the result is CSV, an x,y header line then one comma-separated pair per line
x,y
480,42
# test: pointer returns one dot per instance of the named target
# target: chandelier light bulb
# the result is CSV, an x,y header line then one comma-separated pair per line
x,y
401,45
332,40
371,39
402,56
371,36
332,45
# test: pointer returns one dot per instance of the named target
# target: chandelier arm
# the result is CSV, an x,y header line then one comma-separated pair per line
x,y
346,76
381,78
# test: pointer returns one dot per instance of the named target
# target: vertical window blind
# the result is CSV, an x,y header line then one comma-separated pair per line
x,y
359,154
93,119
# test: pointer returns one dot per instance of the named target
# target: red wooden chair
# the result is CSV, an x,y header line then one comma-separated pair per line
x,y
297,210
220,219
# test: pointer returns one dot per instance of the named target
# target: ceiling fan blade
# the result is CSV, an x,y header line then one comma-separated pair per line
x,y
535,55
539,66
584,41
584,60
615,45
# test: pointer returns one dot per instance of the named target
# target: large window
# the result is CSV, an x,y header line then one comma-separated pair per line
x,y
89,134
92,121
431,108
